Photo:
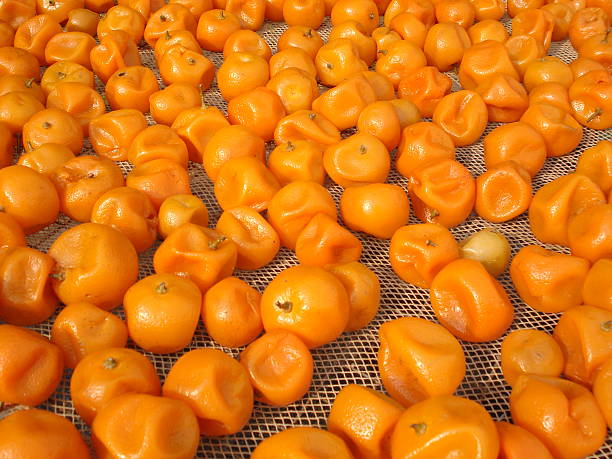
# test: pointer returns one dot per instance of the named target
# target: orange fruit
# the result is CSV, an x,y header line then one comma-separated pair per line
x,y
418,252
356,160
76,279
530,351
538,402
215,386
179,209
583,333
25,291
82,328
82,181
108,373
129,211
231,312
257,242
377,414
303,441
516,442
30,366
377,209
470,302
29,197
280,367
418,359
162,312
444,425
158,427
293,302
324,241
39,433
200,254
292,207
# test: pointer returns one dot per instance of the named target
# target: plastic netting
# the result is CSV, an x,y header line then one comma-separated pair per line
x,y
352,358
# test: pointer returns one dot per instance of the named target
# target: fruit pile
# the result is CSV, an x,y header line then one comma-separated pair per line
x,y
234,228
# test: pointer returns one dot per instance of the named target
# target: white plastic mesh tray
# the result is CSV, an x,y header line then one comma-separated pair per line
x,y
352,358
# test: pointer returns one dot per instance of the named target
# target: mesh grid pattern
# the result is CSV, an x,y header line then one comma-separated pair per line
x,y
352,358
